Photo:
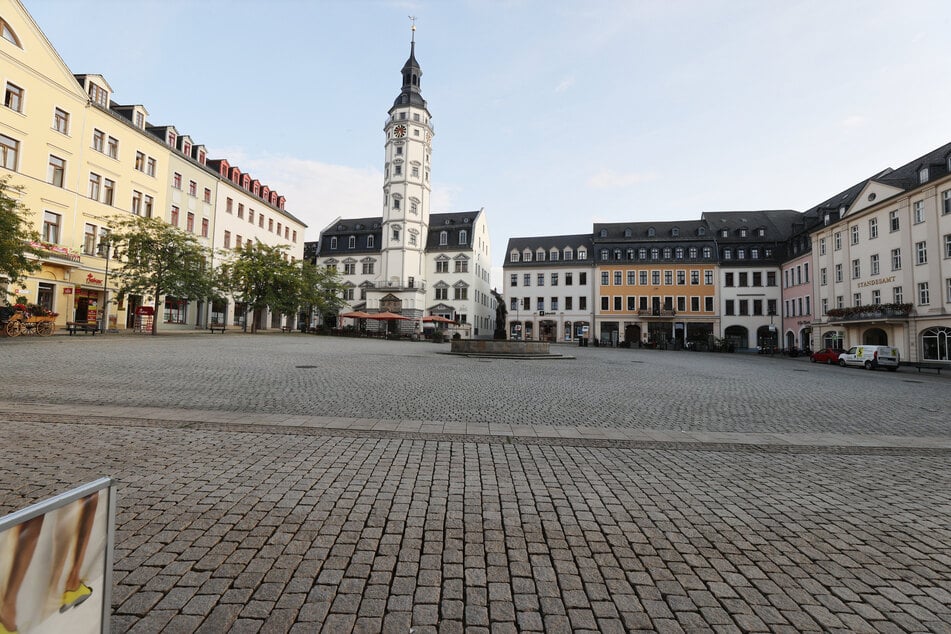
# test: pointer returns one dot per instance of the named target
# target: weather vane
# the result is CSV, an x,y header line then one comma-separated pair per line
x,y
413,28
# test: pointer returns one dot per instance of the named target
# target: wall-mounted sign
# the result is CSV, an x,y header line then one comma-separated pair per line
x,y
67,290
880,280
90,279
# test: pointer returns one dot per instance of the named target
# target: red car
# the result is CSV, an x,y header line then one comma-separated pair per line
x,y
826,355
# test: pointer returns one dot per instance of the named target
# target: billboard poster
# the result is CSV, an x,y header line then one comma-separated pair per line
x,y
56,563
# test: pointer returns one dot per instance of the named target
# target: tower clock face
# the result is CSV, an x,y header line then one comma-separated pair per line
x,y
399,131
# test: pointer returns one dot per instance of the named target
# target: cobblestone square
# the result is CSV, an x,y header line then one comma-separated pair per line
x,y
295,483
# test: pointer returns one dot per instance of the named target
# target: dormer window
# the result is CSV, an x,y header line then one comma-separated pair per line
x,y
513,256
553,255
371,241
201,156
540,255
742,233
171,138
582,254
761,232
443,238
140,120
627,233
567,254
603,233
675,232
246,181
651,232
725,233
186,148
526,256
352,242
923,175
98,95
463,237
701,231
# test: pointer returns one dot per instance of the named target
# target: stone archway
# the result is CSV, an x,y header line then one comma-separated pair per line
x,y
875,337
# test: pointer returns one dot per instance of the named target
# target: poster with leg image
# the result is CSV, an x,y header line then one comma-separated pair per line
x,y
56,563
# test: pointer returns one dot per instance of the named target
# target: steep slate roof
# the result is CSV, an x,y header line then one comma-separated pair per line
x,y
906,176
777,222
346,227
551,242
663,231
452,223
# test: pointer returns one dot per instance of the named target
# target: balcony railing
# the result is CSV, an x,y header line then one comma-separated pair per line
x,y
401,285
869,313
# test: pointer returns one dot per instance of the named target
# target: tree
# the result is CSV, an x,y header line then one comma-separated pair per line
x,y
321,289
259,276
158,259
17,255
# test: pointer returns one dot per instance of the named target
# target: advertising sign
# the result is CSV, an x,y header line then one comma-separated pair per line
x,y
56,563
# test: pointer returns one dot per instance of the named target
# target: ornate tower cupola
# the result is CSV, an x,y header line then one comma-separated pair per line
x,y
406,186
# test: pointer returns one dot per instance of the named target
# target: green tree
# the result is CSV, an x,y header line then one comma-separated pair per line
x,y
321,289
17,256
259,276
158,259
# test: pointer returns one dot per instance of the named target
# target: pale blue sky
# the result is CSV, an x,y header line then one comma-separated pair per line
x,y
549,114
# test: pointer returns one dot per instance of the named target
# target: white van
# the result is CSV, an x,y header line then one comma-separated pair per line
x,y
871,357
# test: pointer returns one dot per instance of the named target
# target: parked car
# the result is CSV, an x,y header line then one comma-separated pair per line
x,y
826,355
871,357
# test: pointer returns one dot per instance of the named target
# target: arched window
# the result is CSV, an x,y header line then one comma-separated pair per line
x,y
651,232
443,238
8,33
604,233
352,242
627,233
463,237
370,241
936,344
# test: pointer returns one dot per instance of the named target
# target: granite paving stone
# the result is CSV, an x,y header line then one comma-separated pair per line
x,y
690,492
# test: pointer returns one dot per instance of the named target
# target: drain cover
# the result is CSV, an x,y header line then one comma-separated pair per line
x,y
306,367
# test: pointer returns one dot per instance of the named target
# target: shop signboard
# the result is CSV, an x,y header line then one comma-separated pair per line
x,y
56,562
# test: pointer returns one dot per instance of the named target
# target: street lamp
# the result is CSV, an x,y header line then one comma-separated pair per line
x,y
105,250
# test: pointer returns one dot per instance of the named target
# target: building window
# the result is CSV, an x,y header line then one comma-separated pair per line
x,y
204,227
352,242
924,295
61,121
854,234
462,266
461,292
668,278
947,245
873,228
730,307
442,266
936,342
173,216
207,195
147,207
582,303
190,222
856,299
856,269
876,297
98,95
921,252
140,161
822,246
554,279
893,223
728,279
177,180
349,268
837,241
838,272
708,278
192,188
57,170
112,147
370,240
108,191
175,310
9,150
150,167
898,296
946,201
617,278
89,239
95,183
918,209
13,98
137,203
241,210
896,259
98,140
51,225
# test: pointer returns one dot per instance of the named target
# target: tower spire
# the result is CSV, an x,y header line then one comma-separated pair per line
x,y
413,29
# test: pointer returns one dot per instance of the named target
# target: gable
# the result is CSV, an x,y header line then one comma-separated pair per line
x,y
872,194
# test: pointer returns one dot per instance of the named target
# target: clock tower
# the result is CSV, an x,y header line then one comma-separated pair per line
x,y
406,192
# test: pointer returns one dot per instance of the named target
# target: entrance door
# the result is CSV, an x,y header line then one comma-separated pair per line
x,y
632,334
134,302
82,310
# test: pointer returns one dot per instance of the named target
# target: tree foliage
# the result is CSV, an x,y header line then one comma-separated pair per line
x,y
261,277
158,259
17,256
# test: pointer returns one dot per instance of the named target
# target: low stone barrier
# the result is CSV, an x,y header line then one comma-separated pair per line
x,y
491,346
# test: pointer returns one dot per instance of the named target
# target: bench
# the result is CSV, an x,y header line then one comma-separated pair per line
x,y
75,326
218,327
937,367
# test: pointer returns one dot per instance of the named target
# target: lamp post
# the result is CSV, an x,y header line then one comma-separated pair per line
x,y
105,250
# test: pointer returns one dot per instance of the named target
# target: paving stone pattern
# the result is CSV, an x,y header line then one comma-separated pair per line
x,y
617,388
252,528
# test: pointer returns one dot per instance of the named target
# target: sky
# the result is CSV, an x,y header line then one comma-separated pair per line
x,y
549,114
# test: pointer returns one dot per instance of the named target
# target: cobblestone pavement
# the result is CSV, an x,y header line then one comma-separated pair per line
x,y
247,525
